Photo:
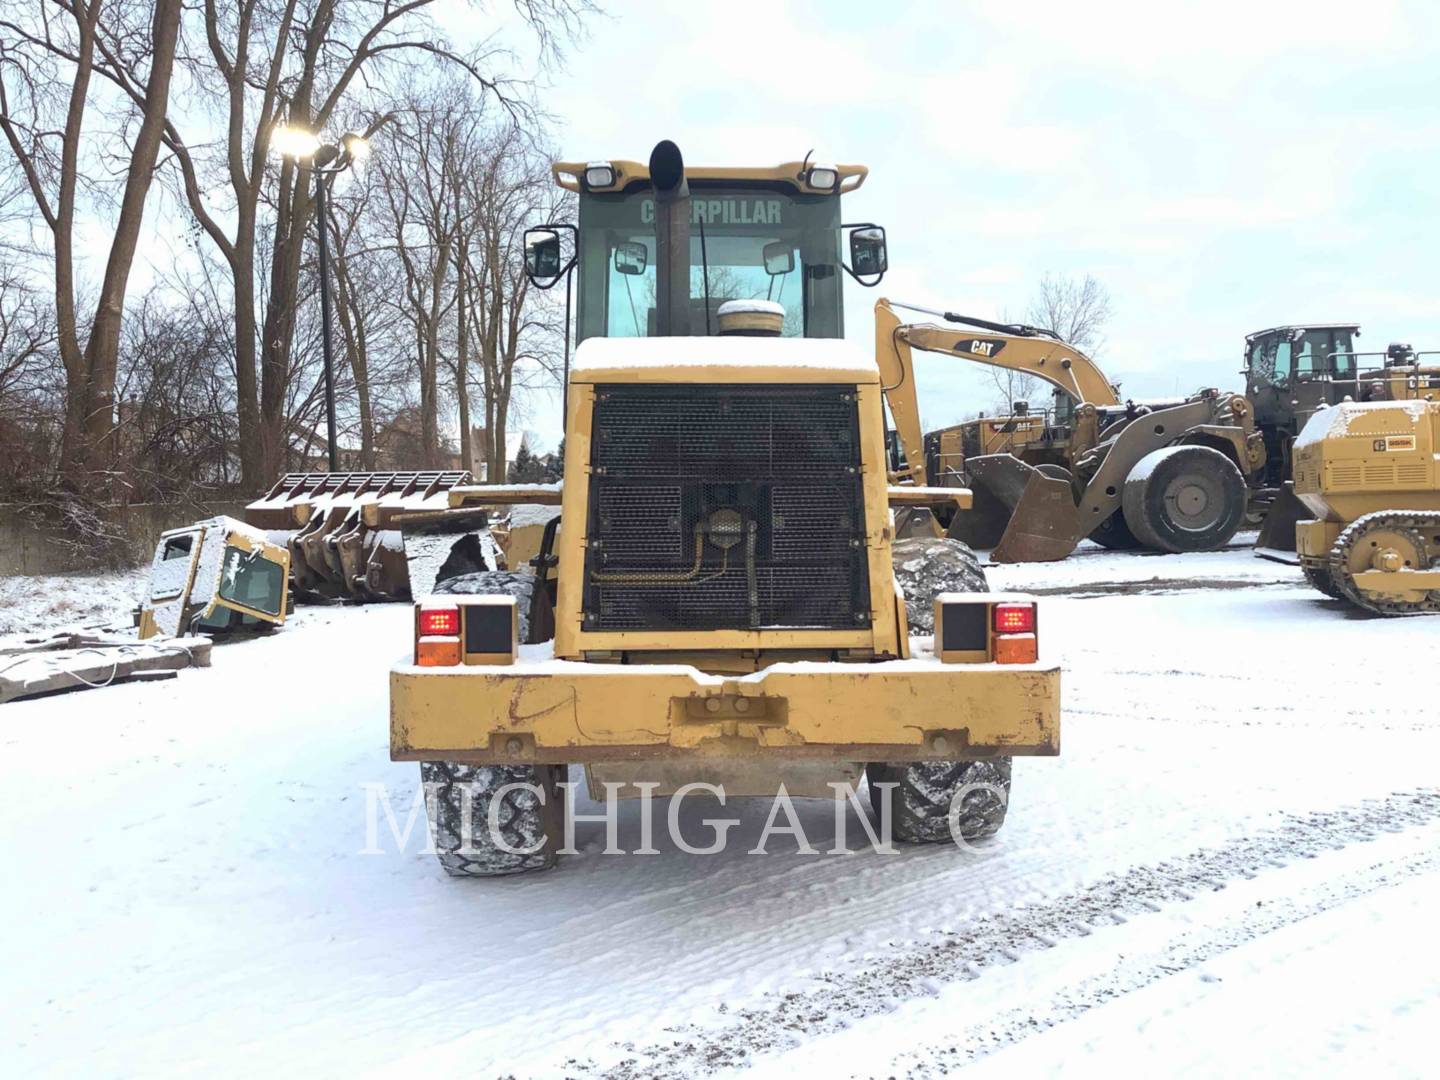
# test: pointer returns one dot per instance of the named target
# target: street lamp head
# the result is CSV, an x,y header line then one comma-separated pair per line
x,y
294,142
356,145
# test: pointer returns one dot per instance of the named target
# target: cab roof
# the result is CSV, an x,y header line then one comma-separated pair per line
x,y
568,174
1304,326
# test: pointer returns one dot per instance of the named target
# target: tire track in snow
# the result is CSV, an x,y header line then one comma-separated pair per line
x,y
1132,972
877,986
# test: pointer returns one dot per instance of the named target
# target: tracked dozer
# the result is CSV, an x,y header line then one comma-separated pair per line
x,y
1168,475
1369,476
1293,371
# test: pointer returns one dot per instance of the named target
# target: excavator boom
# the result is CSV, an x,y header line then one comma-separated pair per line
x,y
1044,357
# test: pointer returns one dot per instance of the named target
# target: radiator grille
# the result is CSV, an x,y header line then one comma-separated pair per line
x,y
1345,475
764,479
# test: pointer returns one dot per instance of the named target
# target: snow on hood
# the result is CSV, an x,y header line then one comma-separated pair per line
x,y
826,354
1335,420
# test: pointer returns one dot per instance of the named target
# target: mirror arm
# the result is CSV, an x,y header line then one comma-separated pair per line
x,y
859,280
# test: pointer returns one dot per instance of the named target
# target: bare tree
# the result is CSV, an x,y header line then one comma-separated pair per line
x,y
1074,309
455,197
432,139
355,304
296,62
87,121
517,331
1077,310
46,143
27,336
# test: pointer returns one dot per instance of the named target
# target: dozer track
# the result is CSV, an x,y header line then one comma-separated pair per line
x,y
1417,527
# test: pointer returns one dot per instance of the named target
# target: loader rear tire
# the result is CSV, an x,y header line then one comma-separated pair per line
x,y
495,583
929,566
1184,498
929,795
530,829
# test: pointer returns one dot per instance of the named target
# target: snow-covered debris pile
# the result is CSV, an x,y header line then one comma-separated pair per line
x,y
44,603
79,661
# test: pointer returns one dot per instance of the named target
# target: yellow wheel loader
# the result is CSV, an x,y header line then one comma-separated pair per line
x,y
1369,473
1168,475
719,596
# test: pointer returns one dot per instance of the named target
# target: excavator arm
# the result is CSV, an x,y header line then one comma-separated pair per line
x,y
1044,357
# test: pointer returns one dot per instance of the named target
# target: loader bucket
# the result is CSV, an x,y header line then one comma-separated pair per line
x,y
1277,531
1044,524
984,523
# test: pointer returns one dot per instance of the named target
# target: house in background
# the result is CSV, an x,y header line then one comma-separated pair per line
x,y
513,442
397,449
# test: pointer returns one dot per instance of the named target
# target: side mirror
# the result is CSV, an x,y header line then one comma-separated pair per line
x,y
779,256
868,258
867,252
631,258
542,255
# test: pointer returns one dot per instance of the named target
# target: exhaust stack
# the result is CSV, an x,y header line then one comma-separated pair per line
x,y
672,240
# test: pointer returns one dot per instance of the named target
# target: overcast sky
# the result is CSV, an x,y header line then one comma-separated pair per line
x,y
1220,166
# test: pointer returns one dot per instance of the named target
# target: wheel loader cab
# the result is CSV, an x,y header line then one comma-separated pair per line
x,y
771,235
1290,354
1291,371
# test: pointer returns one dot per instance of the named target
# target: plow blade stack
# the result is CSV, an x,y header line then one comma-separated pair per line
x,y
338,529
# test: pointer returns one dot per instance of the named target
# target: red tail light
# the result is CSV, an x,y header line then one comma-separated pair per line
x,y
439,622
1014,618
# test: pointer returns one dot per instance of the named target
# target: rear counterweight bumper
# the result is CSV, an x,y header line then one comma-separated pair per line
x,y
559,712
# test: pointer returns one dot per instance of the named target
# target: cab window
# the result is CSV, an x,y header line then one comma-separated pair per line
x,y
1283,364
252,581
734,232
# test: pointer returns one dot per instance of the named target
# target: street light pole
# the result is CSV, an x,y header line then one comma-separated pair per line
x,y
323,221
325,162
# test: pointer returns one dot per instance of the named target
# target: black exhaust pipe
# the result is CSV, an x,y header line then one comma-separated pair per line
x,y
672,240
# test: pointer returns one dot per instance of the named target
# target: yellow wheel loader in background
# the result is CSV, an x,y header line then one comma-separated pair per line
x,y
1171,475
728,599
1369,473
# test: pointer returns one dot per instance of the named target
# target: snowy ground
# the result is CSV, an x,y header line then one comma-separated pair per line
x,y
1233,867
